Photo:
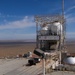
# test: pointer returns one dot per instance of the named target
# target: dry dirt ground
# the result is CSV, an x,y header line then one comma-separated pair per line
x,y
13,50
70,47
18,67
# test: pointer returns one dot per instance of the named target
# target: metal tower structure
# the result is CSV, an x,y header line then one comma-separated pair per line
x,y
50,34
46,20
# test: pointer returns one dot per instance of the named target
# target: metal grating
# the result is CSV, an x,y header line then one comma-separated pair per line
x,y
49,19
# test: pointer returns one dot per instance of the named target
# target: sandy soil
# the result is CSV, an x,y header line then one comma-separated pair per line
x,y
70,47
13,50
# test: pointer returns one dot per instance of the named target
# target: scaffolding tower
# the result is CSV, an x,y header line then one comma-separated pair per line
x,y
45,42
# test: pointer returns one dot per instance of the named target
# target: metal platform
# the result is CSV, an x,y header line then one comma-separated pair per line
x,y
49,19
18,67
48,38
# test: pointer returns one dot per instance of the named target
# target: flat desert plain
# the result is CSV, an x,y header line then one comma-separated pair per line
x,y
15,49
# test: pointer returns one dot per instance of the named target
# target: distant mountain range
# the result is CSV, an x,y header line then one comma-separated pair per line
x,y
33,40
26,40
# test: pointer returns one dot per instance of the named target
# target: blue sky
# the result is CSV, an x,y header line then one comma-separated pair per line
x,y
17,17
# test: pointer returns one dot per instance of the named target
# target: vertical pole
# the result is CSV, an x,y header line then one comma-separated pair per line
x,y
64,32
43,66
36,35
63,8
60,46
64,27
60,51
60,57
61,31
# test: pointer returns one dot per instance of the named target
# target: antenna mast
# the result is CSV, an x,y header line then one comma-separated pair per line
x,y
63,8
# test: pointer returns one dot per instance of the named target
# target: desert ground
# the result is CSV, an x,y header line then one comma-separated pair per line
x,y
15,49
20,67
70,47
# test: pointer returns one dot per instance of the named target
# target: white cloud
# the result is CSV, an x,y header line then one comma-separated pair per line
x,y
70,17
13,16
25,36
10,16
19,24
71,8
17,36
25,22
70,35
71,20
